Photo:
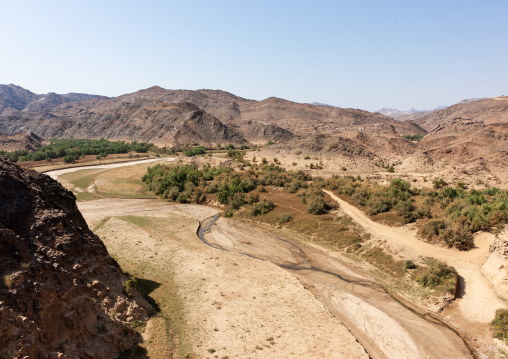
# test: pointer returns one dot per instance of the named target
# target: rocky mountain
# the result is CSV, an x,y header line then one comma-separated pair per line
x,y
491,110
171,117
15,97
408,115
78,97
413,114
21,141
61,294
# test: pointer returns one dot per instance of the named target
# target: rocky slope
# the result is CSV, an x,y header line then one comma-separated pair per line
x,y
495,267
15,98
491,110
61,294
144,115
20,141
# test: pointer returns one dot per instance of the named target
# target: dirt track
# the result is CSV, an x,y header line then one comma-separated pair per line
x,y
479,300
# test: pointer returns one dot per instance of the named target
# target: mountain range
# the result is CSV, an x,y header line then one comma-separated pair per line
x,y
473,134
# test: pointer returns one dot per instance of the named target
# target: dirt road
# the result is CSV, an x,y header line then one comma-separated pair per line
x,y
479,300
54,174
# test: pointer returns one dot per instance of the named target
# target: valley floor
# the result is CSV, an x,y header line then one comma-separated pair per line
x,y
298,301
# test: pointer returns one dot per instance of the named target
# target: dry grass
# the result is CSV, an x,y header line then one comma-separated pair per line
x,y
165,334
329,230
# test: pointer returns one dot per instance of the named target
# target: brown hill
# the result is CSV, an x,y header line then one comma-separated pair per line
x,y
21,141
298,118
491,110
15,97
149,115
119,119
61,293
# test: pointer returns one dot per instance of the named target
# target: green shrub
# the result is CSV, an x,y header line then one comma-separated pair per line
x,y
129,285
316,205
437,275
416,137
500,324
262,207
284,218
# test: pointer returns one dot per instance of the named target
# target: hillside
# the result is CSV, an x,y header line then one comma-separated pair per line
x,y
15,98
20,141
61,294
489,111
172,117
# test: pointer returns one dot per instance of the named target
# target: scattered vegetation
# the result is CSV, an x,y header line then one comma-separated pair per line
x,y
194,151
446,214
71,149
416,137
437,275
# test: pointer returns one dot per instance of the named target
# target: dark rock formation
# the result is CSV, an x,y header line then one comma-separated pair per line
x,y
61,294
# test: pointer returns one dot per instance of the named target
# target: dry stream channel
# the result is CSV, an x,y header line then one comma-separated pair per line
x,y
385,325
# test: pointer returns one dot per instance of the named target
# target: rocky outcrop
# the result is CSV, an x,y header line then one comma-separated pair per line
x,y
21,141
61,294
495,267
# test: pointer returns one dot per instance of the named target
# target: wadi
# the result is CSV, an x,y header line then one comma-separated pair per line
x,y
200,224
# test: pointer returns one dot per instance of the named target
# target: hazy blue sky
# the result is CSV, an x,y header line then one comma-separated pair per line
x,y
360,54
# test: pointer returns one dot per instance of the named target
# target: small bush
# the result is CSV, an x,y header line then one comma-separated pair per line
x,y
500,324
129,285
316,205
284,218
262,207
437,275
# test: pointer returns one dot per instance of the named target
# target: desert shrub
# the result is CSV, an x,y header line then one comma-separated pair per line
x,y
284,218
437,275
129,285
316,205
439,183
390,169
500,324
429,230
262,207
416,137
236,201
377,205
457,234
409,264
405,209
236,154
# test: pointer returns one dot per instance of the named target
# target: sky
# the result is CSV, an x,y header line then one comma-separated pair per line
x,y
352,54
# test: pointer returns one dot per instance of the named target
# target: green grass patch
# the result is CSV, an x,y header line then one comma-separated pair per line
x,y
500,324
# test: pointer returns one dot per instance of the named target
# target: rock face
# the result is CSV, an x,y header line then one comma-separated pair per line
x,y
495,267
21,141
61,294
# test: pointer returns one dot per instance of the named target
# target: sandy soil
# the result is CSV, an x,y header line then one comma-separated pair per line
x,y
238,306
386,328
